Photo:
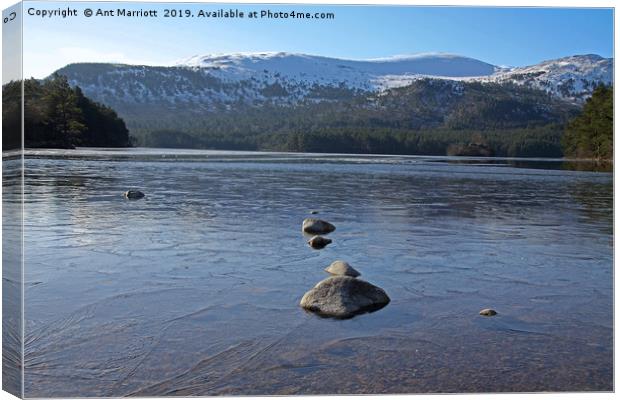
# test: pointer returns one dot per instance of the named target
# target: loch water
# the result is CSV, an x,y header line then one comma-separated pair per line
x,y
195,289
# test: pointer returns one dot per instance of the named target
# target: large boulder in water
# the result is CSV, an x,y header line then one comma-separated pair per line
x,y
317,226
342,268
318,242
344,297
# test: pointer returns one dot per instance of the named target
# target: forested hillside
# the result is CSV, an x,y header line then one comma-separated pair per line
x,y
426,117
433,104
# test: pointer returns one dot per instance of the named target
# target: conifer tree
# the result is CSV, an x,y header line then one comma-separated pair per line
x,y
590,134
64,116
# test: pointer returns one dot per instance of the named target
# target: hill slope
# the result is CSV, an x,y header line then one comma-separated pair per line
x,y
213,101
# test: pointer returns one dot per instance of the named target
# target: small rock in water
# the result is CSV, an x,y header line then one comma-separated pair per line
x,y
488,312
314,212
344,297
318,242
317,226
342,268
133,194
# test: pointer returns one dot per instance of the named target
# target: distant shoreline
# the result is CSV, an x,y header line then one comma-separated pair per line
x,y
11,152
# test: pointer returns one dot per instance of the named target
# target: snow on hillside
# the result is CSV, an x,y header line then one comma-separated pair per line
x,y
360,74
216,82
572,77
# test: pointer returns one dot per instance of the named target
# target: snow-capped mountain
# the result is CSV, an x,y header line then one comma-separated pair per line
x,y
239,100
271,100
373,74
572,78
216,82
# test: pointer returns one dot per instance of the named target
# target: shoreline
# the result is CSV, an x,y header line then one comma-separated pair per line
x,y
173,150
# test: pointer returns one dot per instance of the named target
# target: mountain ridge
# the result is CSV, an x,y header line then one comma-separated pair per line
x,y
233,101
572,78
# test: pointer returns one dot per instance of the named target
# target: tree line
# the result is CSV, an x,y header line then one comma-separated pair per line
x,y
487,124
405,121
55,115
428,117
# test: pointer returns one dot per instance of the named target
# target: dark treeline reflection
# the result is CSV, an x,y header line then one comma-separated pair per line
x,y
597,201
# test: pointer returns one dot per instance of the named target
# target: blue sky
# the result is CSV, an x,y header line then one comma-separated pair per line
x,y
500,36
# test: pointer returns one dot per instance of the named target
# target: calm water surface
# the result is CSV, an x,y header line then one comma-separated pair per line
x,y
194,290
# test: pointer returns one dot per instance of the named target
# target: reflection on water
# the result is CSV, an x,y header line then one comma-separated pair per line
x,y
533,163
598,166
194,290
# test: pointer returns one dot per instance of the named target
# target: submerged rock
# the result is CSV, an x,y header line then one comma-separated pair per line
x,y
342,268
344,297
488,312
318,242
133,194
317,226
